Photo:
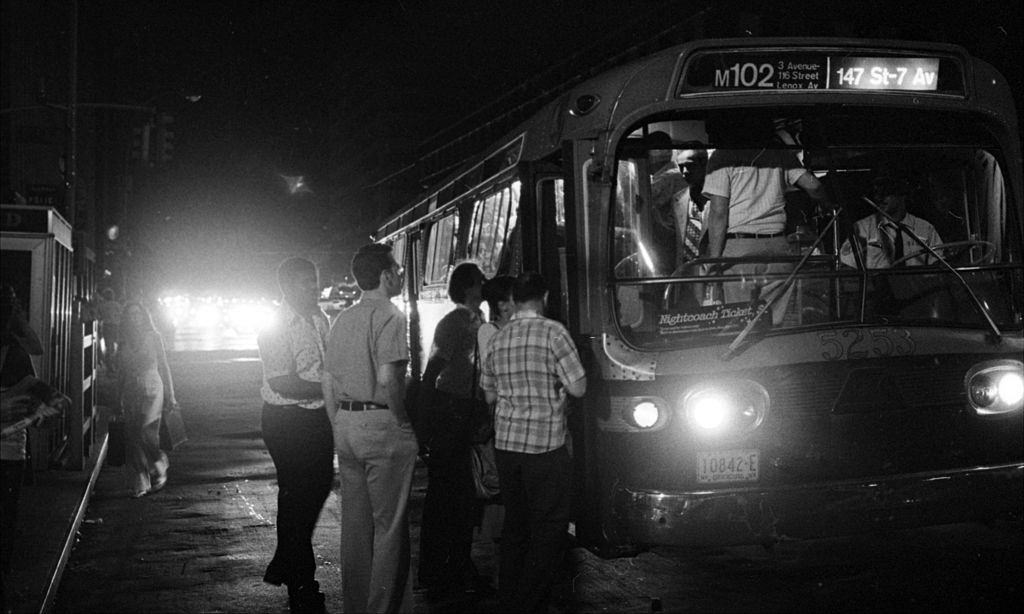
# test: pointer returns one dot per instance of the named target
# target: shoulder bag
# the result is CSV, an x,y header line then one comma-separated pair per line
x,y
172,429
481,453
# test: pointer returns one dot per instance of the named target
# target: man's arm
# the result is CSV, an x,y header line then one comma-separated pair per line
x,y
814,188
391,377
328,385
294,387
718,224
577,388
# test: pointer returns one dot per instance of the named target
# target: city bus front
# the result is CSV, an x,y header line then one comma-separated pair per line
x,y
813,304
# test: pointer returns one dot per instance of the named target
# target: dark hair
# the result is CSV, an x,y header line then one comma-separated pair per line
x,y
291,267
529,286
369,262
698,147
658,140
128,332
496,290
891,184
463,277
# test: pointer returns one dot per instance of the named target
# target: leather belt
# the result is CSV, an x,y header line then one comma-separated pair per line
x,y
359,406
753,235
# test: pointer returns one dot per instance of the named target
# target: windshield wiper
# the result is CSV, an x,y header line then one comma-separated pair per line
x,y
996,333
731,350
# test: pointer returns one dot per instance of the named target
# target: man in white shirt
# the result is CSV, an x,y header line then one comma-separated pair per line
x,y
884,243
747,216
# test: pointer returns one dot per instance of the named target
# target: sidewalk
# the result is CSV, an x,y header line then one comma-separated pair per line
x,y
50,512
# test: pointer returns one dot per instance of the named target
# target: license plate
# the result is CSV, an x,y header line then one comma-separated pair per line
x,y
718,466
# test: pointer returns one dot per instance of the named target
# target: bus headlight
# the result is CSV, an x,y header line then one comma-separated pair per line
x,y
636,414
645,414
727,409
996,387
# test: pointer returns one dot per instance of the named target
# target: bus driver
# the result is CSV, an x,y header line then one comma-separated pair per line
x,y
884,244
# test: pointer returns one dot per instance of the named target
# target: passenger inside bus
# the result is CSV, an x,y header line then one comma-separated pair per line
x,y
689,213
666,182
746,190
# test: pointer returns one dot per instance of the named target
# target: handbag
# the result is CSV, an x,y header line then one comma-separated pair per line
x,y
172,429
115,443
485,469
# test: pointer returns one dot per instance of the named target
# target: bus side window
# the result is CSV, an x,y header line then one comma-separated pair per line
x,y
494,218
440,246
398,249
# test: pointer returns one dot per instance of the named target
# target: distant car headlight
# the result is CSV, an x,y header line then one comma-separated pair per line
x,y
725,409
996,387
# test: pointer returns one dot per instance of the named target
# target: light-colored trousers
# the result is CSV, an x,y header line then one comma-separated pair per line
x,y
376,458
144,405
742,291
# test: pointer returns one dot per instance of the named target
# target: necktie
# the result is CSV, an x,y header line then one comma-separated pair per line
x,y
691,235
898,246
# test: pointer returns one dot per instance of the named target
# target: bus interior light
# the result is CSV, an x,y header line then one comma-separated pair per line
x,y
996,387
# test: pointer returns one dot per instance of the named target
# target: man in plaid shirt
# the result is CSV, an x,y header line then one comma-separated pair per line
x,y
531,367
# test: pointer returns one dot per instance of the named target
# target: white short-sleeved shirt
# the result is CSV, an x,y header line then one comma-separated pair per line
x,y
371,333
755,181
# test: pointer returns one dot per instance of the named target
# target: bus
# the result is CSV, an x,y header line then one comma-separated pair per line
x,y
815,392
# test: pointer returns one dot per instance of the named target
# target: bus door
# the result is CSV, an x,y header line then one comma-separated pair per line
x,y
544,247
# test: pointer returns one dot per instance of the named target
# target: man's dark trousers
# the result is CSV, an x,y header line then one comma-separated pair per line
x,y
535,490
301,443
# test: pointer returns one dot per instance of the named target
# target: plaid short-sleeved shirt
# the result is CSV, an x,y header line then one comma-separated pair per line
x,y
529,363
292,344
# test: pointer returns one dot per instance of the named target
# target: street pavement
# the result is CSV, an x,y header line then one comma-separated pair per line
x,y
202,543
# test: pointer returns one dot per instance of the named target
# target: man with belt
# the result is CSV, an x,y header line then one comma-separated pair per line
x,y
296,429
364,389
746,191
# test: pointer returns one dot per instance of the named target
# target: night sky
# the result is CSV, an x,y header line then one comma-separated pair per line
x,y
345,94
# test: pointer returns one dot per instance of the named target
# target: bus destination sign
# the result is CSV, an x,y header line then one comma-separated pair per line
x,y
802,71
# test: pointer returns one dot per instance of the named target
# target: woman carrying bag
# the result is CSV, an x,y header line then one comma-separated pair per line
x,y
145,387
449,410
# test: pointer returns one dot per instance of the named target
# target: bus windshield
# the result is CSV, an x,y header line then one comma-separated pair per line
x,y
834,216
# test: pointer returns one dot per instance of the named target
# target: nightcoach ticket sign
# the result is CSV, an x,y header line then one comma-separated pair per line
x,y
705,318
795,70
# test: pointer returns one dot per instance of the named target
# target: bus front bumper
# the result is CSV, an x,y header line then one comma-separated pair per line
x,y
762,515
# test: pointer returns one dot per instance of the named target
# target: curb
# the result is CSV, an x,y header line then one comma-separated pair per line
x,y
53,580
